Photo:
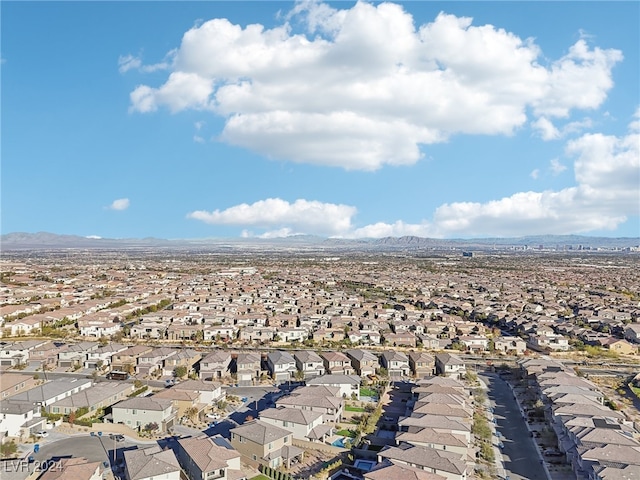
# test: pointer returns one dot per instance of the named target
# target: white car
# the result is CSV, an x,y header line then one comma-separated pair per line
x,y
42,433
213,416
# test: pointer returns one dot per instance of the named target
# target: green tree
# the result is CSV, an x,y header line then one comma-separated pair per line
x,y
9,449
180,371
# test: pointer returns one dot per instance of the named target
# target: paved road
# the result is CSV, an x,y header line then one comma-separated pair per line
x,y
521,459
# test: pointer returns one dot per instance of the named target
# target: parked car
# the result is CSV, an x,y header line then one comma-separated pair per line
x,y
213,416
42,433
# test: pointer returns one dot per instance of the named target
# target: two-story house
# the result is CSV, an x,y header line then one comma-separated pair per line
x,y
247,368
337,363
303,424
396,363
422,364
151,463
450,365
140,413
309,363
215,365
265,443
363,362
209,458
282,366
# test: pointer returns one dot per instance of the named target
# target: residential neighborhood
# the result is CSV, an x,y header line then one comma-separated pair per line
x,y
369,368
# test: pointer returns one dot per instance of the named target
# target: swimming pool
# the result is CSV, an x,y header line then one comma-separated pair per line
x,y
339,442
364,465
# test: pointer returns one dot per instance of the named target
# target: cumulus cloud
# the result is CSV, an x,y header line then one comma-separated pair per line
x,y
535,174
605,194
546,130
277,215
128,62
119,204
131,62
365,87
556,167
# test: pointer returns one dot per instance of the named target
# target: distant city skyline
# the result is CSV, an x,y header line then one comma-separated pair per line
x,y
339,119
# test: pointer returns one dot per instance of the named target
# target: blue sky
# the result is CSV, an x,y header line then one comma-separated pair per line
x,y
266,119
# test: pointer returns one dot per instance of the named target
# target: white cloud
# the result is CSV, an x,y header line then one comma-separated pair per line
x,y
119,204
535,174
546,129
131,62
275,214
369,86
556,167
607,191
128,62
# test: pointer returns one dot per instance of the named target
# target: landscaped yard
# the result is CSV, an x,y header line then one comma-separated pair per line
x,y
368,392
260,477
352,408
346,433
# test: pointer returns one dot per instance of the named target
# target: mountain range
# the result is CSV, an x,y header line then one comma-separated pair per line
x,y
46,240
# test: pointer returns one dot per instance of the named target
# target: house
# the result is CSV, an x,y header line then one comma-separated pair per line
x,y
396,363
96,327
128,359
141,413
510,345
101,356
632,333
450,365
248,368
210,392
337,363
476,343
432,438
153,361
18,353
348,385
303,424
422,364
99,396
264,443
215,365
14,383
405,339
320,398
207,458
400,472
620,346
282,366
363,362
25,326
20,419
151,464
50,392
548,341
78,468
75,354
309,363
450,465
185,357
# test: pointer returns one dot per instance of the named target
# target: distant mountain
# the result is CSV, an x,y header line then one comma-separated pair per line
x,y
45,240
